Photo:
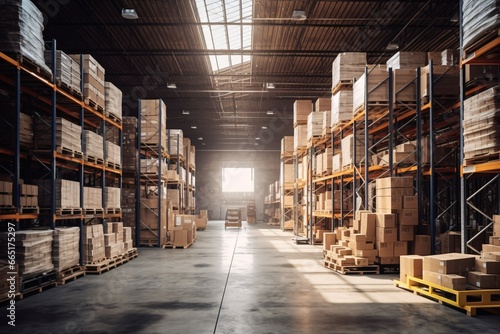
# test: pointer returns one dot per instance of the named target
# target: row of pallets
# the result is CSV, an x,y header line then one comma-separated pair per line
x,y
40,283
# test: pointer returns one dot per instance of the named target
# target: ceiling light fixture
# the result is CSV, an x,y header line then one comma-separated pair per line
x,y
299,15
185,112
171,85
270,112
392,47
270,85
200,138
129,14
257,138
264,128
194,127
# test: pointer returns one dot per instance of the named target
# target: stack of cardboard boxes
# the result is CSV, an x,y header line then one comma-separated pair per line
x,y
183,230
128,243
68,135
112,156
93,80
154,127
6,194
251,213
113,240
176,143
202,220
93,147
67,194
92,199
67,70
112,196
28,196
66,248
93,243
301,111
113,97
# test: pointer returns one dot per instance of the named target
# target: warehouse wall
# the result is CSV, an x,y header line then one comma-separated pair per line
x,y
209,166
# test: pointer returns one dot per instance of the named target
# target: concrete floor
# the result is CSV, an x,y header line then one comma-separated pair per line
x,y
253,280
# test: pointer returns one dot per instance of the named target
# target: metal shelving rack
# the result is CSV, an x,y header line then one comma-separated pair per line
x,y
43,91
287,189
479,182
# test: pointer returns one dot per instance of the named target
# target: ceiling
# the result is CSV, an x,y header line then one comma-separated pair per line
x,y
232,108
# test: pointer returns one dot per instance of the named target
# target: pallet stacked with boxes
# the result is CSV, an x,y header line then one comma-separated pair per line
x,y
67,71
287,178
28,198
93,244
93,147
68,136
153,216
67,196
66,248
182,232
251,213
93,81
301,111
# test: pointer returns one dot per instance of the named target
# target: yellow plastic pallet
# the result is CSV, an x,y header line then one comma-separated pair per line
x,y
468,300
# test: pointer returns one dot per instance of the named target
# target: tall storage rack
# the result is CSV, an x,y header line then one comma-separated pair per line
x,y
479,177
387,124
37,90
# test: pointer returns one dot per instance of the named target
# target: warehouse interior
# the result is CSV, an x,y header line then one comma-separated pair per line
x,y
263,166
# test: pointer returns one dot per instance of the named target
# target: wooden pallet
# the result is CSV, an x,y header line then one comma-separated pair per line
x,y
343,85
113,117
29,209
113,211
93,104
69,152
172,246
36,284
70,89
95,211
94,160
70,274
494,156
468,300
68,211
104,265
8,209
345,270
469,52
113,165
32,66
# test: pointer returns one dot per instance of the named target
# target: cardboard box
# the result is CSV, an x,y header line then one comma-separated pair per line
x,y
481,280
388,260
487,248
410,265
386,220
385,249
358,245
368,225
395,192
358,237
390,204
491,256
494,240
395,182
450,242
408,217
400,248
387,234
487,266
421,245
410,202
180,238
360,261
451,263
496,225
329,239
454,282
201,223
431,277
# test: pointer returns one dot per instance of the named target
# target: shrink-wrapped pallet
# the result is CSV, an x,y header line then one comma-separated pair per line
x,y
33,251
348,67
93,80
92,198
67,194
378,87
66,247
154,123
479,19
176,142
113,100
482,124
68,134
113,153
299,137
314,124
93,146
407,60
112,197
67,70
21,31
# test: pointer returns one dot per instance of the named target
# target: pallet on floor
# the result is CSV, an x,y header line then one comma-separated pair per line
x,y
37,284
345,270
102,266
70,274
468,300
172,246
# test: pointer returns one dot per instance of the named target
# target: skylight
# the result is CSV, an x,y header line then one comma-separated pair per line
x,y
219,35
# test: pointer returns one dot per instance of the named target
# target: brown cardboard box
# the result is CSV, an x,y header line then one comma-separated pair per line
x,y
491,256
370,254
389,192
358,245
360,261
496,225
422,245
201,223
432,277
389,204
358,237
204,214
410,265
388,260
450,242
451,263
395,182
345,234
410,202
494,240
386,220
368,225
408,217
387,234
481,280
487,248
329,238
406,233
454,282
180,237
385,249
400,248
347,261
487,266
